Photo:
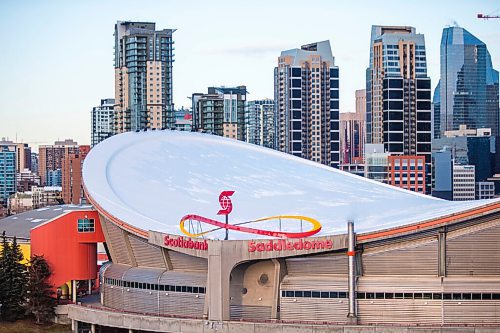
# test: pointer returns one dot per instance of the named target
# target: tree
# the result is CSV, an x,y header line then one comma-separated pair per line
x,y
40,302
4,254
13,280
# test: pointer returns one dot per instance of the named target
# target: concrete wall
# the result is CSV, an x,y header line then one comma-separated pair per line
x,y
176,325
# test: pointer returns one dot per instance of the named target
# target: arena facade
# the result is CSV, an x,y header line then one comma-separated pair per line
x,y
211,234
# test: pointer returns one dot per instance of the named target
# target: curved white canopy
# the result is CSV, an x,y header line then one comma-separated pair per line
x,y
152,179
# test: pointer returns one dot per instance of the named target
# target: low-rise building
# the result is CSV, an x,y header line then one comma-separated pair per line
x,y
485,190
37,197
26,179
376,162
464,182
407,172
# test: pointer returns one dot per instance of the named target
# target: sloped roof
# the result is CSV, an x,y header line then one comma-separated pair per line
x,y
20,225
152,179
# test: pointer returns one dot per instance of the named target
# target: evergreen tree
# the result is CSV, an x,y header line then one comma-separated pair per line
x,y
13,282
4,255
40,302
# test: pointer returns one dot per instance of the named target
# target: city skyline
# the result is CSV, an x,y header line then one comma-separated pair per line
x,y
53,83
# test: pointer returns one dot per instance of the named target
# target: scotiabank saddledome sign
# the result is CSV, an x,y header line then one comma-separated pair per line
x,y
186,243
288,241
289,245
227,207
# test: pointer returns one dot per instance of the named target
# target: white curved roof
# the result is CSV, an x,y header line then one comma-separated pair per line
x,y
152,179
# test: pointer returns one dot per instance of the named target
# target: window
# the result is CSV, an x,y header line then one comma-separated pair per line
x,y
86,225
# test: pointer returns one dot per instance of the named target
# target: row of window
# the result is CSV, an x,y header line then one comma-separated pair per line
x,y
314,294
152,286
364,295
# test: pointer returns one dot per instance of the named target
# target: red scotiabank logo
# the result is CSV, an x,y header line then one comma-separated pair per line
x,y
285,245
186,243
225,203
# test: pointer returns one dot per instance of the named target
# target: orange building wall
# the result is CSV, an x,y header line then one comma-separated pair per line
x,y
70,254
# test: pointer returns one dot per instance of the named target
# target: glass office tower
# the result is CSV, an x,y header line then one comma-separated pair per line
x,y
469,84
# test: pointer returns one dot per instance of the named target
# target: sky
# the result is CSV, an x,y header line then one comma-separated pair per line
x,y
56,57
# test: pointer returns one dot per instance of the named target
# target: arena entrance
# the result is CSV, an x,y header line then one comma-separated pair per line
x,y
254,290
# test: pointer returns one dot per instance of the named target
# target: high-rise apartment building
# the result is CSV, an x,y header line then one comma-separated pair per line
x,y
398,93
306,97
143,77
7,172
72,186
221,111
469,86
23,154
50,161
208,113
352,131
259,122
102,121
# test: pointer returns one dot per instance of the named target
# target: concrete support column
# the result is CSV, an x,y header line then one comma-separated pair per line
x,y
90,287
74,326
92,328
219,271
73,291
130,330
352,317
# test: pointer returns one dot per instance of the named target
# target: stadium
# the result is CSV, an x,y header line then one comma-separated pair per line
x,y
206,234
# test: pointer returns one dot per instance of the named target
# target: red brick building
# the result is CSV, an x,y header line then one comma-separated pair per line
x,y
72,189
407,172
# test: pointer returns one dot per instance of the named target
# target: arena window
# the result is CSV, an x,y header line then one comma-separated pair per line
x,y
155,287
382,295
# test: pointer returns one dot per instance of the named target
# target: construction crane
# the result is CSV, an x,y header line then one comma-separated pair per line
x,y
485,17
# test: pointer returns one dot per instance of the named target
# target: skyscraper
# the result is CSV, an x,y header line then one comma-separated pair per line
x,y
468,85
221,111
398,94
352,131
143,77
436,111
259,122
306,98
102,121
7,172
